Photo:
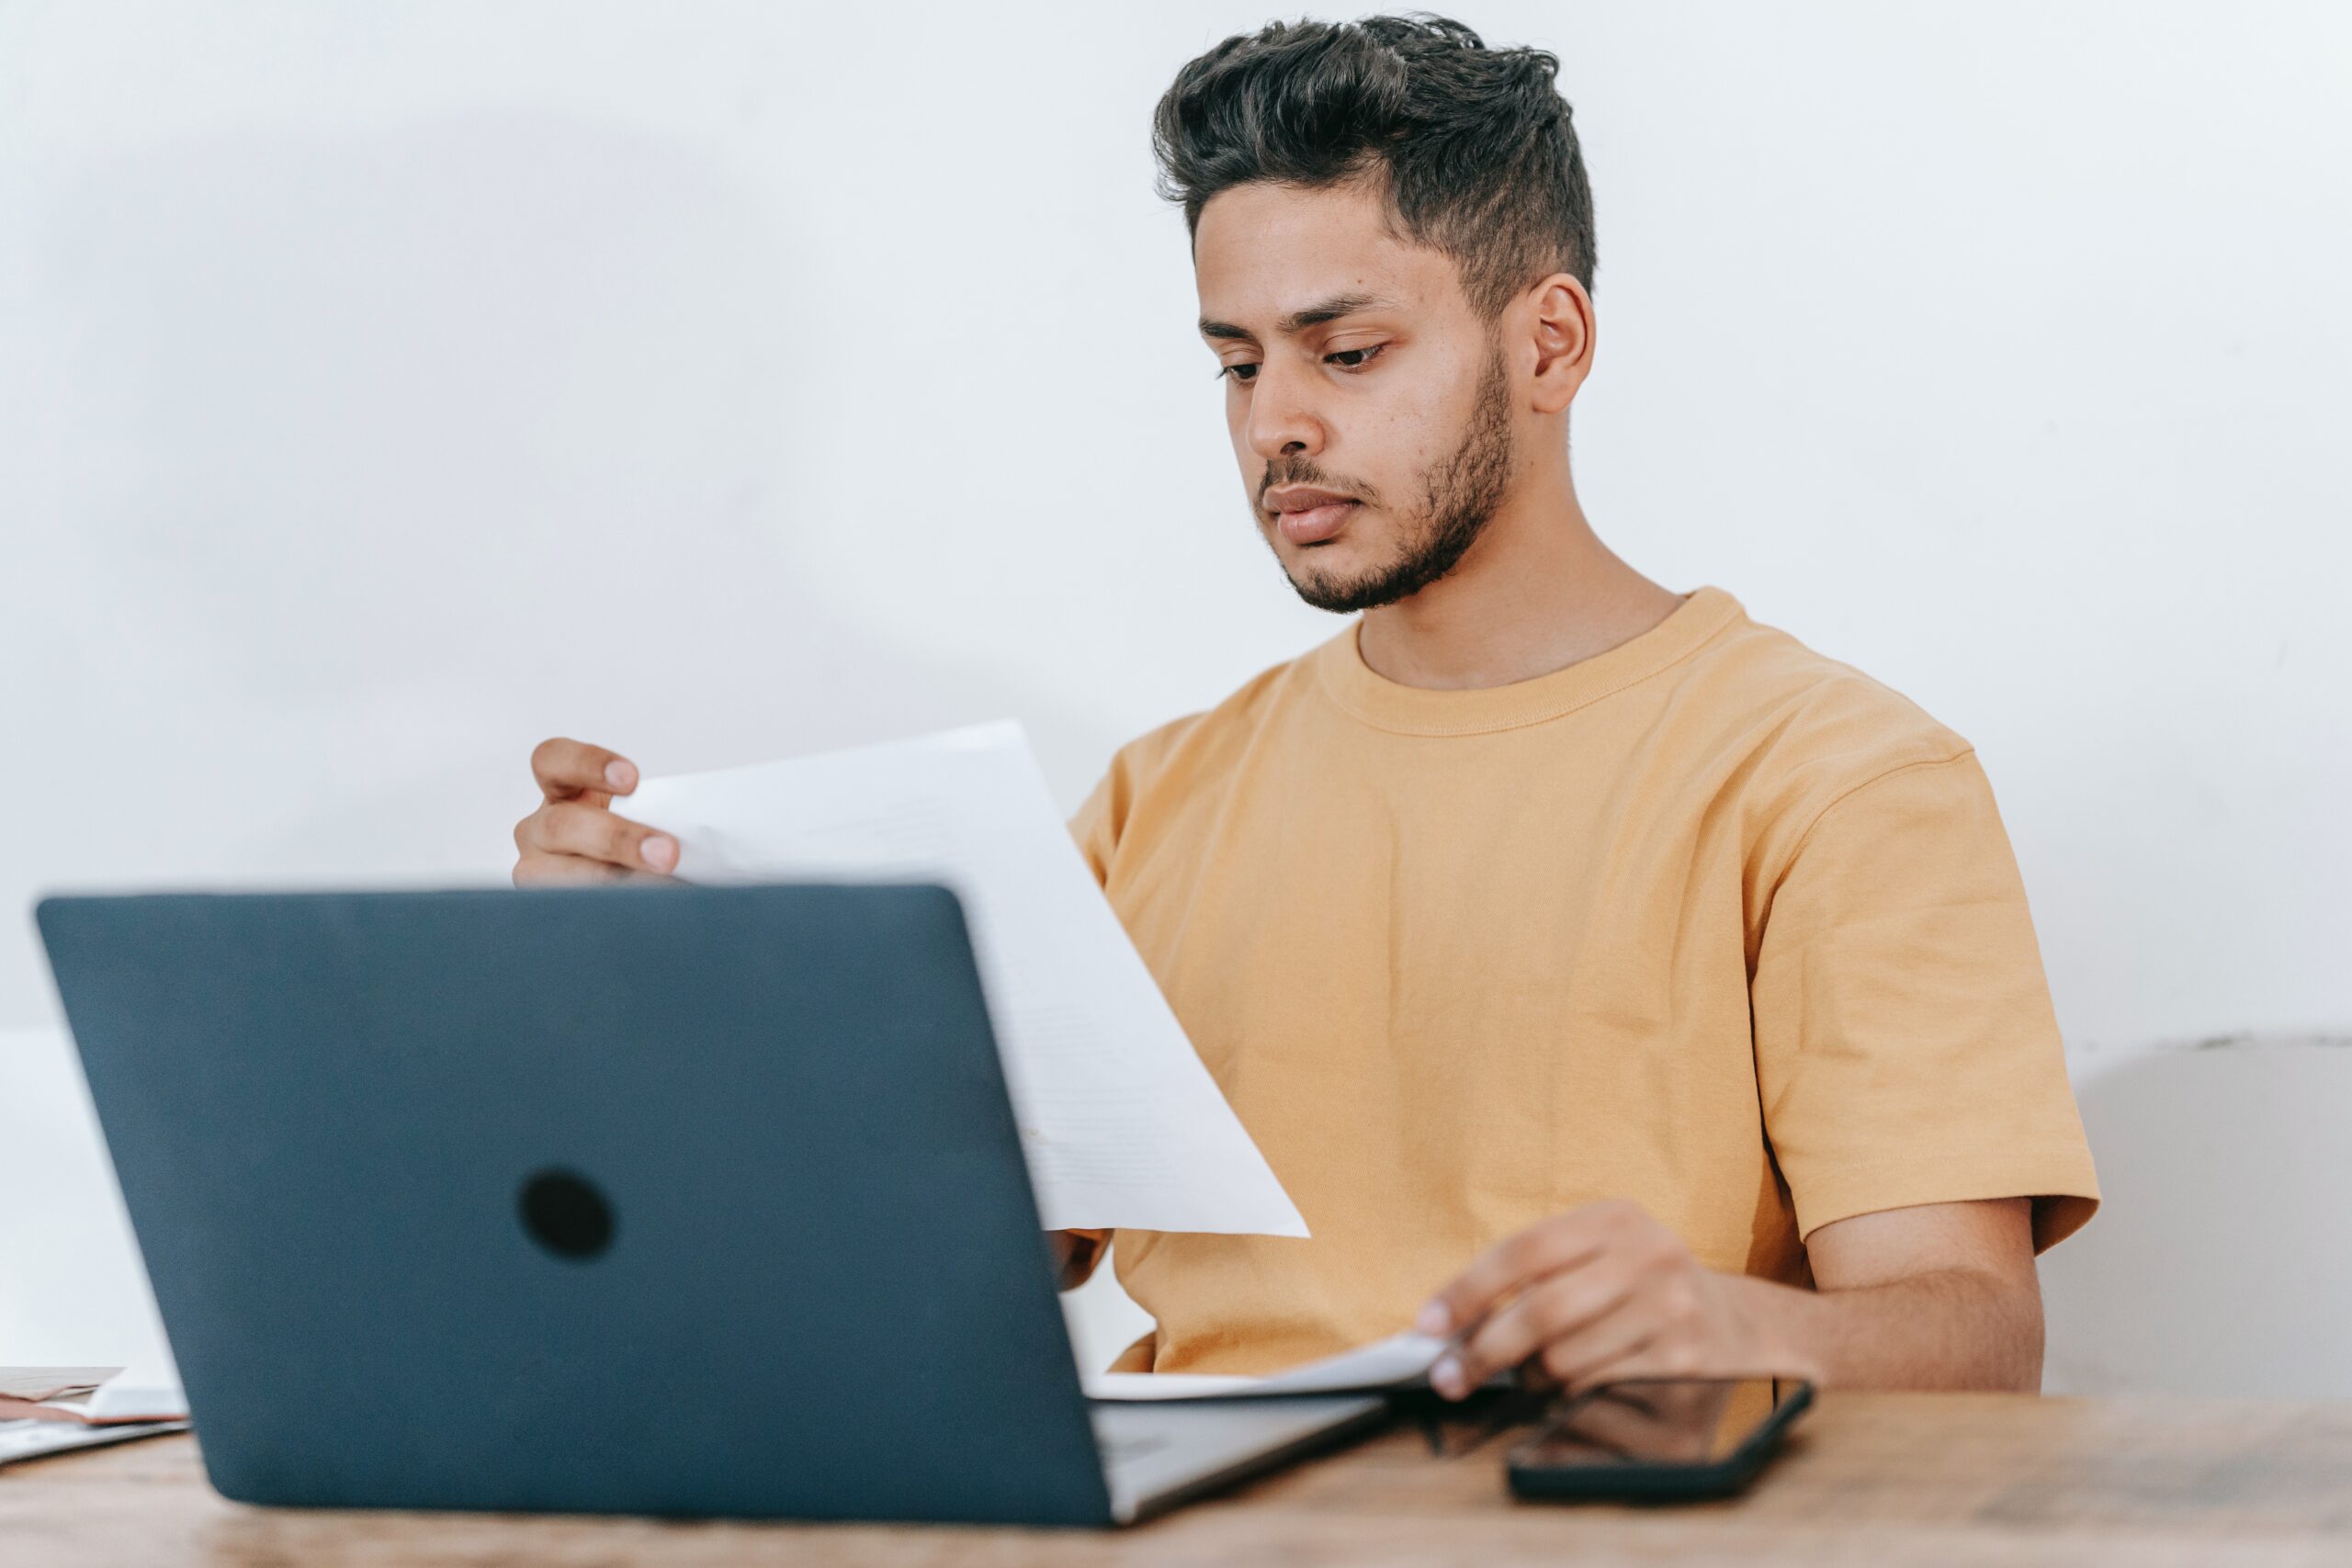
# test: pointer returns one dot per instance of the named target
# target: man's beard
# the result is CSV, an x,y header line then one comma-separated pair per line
x,y
1460,494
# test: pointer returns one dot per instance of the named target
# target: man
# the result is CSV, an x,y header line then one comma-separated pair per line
x,y
1654,991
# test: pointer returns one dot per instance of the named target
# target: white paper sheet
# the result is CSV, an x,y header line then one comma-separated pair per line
x,y
1399,1361
1121,1122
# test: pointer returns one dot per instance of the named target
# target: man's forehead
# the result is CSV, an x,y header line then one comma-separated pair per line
x,y
1264,256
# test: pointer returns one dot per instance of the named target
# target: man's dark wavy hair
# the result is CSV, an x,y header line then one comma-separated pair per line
x,y
1482,163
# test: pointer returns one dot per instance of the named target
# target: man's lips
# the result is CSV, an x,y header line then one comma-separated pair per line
x,y
1308,516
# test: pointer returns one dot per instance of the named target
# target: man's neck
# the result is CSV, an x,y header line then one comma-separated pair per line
x,y
1537,592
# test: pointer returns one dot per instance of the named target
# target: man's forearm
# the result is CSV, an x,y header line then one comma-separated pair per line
x,y
1956,1328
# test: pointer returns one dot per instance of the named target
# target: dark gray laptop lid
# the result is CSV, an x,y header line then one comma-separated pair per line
x,y
781,1258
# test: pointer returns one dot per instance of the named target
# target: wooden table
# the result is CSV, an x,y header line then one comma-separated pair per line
x,y
1867,1479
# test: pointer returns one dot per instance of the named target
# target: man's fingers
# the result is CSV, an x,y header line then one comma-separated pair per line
x,y
1598,1351
572,828
1546,1247
568,769
558,870
1548,1310
572,838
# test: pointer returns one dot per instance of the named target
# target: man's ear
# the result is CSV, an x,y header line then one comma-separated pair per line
x,y
1560,314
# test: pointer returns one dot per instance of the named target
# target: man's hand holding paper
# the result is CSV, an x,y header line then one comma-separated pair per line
x,y
1121,1122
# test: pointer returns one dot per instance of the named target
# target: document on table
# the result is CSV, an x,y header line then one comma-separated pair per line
x,y
1120,1120
93,1397
1399,1361
45,1410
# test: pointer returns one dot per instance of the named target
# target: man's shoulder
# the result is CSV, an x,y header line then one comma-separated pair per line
x,y
1794,734
1800,712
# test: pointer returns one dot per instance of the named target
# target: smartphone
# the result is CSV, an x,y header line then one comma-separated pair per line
x,y
1658,1440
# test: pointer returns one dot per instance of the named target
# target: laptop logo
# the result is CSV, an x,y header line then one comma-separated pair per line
x,y
563,1213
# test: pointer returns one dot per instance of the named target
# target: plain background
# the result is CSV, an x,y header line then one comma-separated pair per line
x,y
384,388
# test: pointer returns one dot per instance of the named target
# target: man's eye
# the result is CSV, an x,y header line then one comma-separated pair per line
x,y
1358,358
1237,373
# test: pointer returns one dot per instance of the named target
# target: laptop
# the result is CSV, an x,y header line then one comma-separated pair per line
x,y
702,1202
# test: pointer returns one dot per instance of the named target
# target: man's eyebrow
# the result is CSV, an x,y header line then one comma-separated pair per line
x,y
1297,322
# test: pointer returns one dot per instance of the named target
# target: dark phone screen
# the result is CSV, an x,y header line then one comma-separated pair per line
x,y
1661,1422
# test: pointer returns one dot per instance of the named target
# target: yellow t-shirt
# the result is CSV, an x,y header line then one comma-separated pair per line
x,y
1708,922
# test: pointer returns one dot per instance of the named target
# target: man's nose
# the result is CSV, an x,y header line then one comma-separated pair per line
x,y
1283,422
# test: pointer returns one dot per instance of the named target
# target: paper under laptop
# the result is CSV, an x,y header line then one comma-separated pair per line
x,y
46,1410
93,1397
1400,1361
1121,1122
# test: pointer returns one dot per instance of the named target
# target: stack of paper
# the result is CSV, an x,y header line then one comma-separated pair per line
x,y
1122,1124
40,1385
94,1396
46,1409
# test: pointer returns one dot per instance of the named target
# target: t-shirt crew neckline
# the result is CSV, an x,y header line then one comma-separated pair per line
x,y
1388,705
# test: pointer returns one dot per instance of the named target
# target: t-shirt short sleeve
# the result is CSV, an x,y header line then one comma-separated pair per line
x,y
1905,1049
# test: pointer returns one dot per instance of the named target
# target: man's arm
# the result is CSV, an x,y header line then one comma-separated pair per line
x,y
1942,1296
1938,1296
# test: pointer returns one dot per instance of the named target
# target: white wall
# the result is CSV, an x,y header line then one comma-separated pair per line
x,y
382,388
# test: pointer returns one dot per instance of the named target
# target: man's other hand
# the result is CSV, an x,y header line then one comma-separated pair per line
x,y
1601,1293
